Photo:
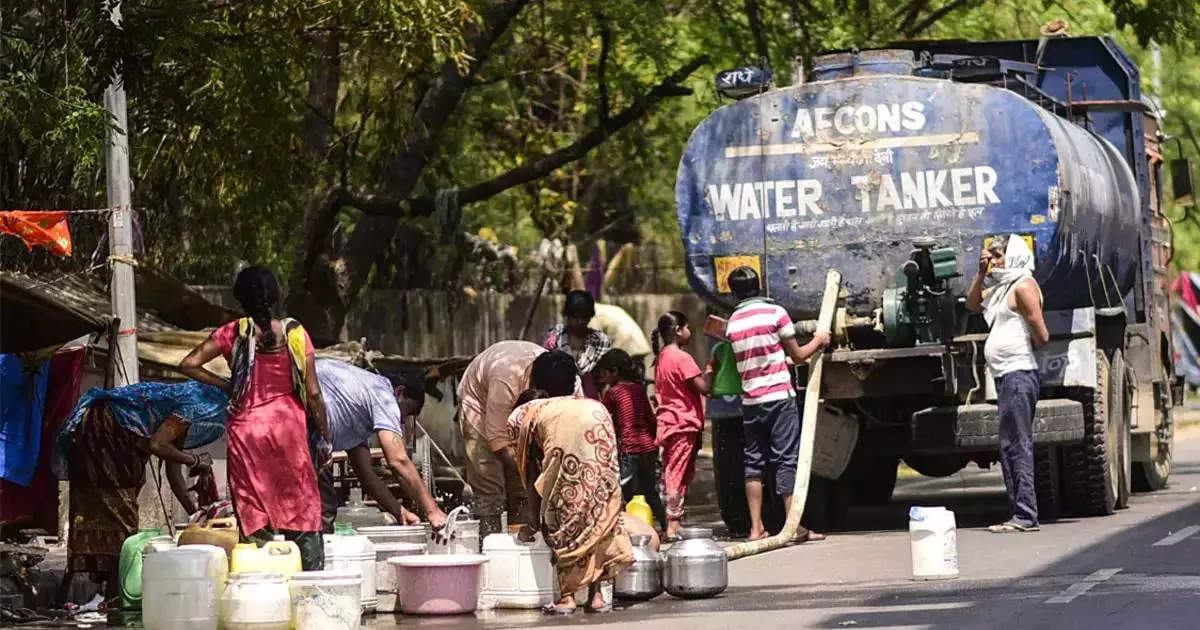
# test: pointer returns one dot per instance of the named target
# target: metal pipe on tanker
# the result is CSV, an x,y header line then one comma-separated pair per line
x,y
808,428
841,322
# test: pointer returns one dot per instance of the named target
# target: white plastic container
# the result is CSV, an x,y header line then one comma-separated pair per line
x,y
256,601
326,600
415,534
385,575
181,586
517,574
349,552
933,538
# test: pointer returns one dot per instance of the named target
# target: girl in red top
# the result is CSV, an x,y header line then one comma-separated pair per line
x,y
633,420
680,387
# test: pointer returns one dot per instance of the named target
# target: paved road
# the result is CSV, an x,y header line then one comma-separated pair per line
x,y
1139,568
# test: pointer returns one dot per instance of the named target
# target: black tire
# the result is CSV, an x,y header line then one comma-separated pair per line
x,y
1047,479
1119,405
729,463
827,506
936,465
1091,475
872,481
1152,475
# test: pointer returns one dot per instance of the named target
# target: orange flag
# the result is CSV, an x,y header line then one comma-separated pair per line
x,y
47,228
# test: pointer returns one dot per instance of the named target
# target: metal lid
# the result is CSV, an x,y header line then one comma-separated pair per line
x,y
640,540
691,533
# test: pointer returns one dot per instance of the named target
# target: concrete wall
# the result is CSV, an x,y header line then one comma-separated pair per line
x,y
426,324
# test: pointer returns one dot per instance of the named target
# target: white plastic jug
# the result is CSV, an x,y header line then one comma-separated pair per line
x,y
347,552
934,543
517,574
181,586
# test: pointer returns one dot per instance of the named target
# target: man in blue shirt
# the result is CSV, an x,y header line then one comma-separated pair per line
x,y
360,404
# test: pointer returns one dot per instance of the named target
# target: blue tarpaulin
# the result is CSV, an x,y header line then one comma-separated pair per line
x,y
22,400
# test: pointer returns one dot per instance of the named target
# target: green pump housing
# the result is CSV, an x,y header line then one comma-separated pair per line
x,y
919,308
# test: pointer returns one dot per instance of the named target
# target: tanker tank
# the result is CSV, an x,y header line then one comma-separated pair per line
x,y
848,173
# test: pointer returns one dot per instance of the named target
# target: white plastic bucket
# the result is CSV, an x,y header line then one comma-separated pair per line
x,y
356,554
256,601
517,574
181,587
326,600
932,534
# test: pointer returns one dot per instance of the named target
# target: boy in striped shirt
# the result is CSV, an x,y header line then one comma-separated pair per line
x,y
763,336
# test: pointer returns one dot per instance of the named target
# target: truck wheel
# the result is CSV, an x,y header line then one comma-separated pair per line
x,y
1119,402
1047,481
1092,469
729,472
872,482
827,506
936,465
1152,475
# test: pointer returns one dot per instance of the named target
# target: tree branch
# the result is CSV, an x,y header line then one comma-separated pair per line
x,y
329,288
936,15
908,14
540,167
756,29
601,78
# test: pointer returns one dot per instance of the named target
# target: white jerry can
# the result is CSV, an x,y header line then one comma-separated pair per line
x,y
932,535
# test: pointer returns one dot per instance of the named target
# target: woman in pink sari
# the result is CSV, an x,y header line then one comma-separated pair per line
x,y
272,479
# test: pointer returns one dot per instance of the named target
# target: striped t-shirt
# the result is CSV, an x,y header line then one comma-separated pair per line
x,y
756,330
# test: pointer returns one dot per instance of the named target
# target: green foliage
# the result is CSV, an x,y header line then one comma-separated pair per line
x,y
225,163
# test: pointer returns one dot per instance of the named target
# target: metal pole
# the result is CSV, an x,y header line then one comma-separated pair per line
x,y
120,229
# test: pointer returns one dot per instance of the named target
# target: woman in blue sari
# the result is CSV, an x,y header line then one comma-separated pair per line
x,y
103,449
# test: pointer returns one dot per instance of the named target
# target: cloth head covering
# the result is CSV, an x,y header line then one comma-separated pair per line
x,y
1018,265
141,408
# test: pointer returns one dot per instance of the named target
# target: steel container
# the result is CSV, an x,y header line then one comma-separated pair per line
x,y
696,566
643,579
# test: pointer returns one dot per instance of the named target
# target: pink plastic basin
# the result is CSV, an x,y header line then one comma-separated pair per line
x,y
438,584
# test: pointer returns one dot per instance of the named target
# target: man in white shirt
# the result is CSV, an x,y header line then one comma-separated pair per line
x,y
1011,301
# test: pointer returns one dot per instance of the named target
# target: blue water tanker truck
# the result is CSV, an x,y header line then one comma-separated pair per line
x,y
895,167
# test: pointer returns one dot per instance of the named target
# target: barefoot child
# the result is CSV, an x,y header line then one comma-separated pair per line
x,y
625,397
680,387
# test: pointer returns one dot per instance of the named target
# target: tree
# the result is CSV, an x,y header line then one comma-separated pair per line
x,y
365,142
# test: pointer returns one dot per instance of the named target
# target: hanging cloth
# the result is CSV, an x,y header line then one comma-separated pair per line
x,y
45,228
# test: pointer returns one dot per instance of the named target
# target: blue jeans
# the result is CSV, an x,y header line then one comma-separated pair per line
x,y
1017,397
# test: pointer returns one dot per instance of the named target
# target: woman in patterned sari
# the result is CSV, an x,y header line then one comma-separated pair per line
x,y
567,455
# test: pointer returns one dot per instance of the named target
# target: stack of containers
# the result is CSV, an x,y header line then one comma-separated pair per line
x,y
347,552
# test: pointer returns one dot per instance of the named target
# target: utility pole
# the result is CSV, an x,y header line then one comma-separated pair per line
x,y
123,355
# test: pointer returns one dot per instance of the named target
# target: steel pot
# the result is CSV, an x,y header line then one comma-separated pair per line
x,y
696,566
644,578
